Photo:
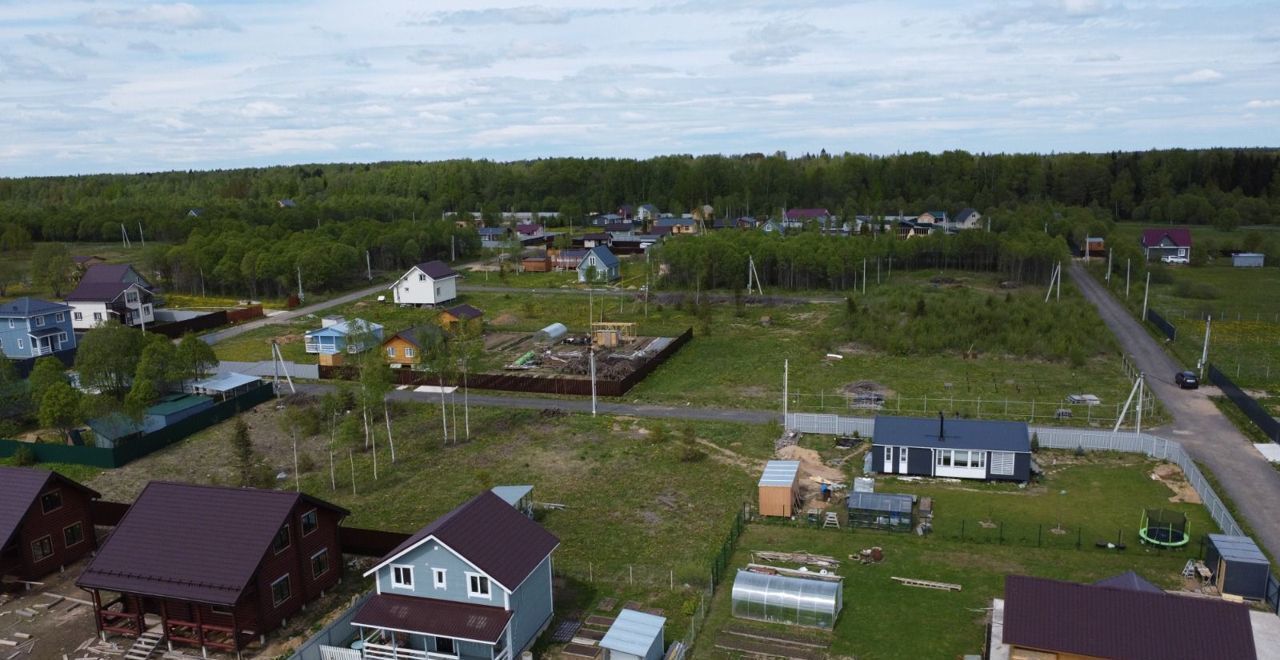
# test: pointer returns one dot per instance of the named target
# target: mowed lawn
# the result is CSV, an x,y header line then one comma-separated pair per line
x,y
737,354
1099,492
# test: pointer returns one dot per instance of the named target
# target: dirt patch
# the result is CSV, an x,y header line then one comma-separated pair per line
x,y
56,630
289,339
811,465
753,392
864,388
728,456
504,319
1171,475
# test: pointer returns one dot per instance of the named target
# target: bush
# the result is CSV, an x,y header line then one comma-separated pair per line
x,y
24,457
1159,274
1196,290
691,454
1035,442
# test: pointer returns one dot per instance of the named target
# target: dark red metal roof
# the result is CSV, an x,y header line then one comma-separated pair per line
x,y
465,312
490,534
195,543
1123,624
19,488
437,270
446,618
97,291
1181,236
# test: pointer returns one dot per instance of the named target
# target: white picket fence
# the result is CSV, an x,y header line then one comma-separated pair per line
x,y
1059,438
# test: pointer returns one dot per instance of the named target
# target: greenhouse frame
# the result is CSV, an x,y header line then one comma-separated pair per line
x,y
888,511
792,600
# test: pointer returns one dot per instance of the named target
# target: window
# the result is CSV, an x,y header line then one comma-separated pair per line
x,y
422,278
21,344
131,297
439,576
402,576
10,324
146,309
72,534
97,316
41,548
1002,462
477,585
408,352
51,501
282,540
77,316
320,563
225,611
61,317
444,646
391,351
280,590
310,522
39,321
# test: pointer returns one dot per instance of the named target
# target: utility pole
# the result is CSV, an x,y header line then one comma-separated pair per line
x,y
1058,295
453,247
140,236
592,353
124,237
301,296
1145,291
786,367
1142,381
864,275
1204,352
1108,266
368,266
1126,278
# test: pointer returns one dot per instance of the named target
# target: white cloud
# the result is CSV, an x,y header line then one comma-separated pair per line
x,y
1199,76
1098,57
145,46
774,44
1258,104
452,58
263,110
1047,101
63,42
173,17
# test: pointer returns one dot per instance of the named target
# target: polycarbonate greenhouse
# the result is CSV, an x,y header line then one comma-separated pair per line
x,y
781,599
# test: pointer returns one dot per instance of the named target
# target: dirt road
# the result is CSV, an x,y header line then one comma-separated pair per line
x,y
1202,429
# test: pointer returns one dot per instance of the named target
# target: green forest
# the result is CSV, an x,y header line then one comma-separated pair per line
x,y
240,240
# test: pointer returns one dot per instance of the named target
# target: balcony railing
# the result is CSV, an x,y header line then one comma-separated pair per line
x,y
41,350
316,347
385,652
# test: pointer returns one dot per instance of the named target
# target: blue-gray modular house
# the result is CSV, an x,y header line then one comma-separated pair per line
x,y
1238,566
956,448
473,585
30,328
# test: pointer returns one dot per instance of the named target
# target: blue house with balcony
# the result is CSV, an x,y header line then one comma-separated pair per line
x,y
337,335
31,328
473,585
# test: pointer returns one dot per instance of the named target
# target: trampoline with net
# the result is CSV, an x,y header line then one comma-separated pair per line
x,y
1165,528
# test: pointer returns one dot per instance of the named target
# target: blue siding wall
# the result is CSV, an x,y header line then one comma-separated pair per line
x,y
533,607
424,559
10,338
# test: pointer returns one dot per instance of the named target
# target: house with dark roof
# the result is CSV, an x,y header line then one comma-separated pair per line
x,y
45,522
460,315
1164,242
286,204
475,584
953,448
646,212
1122,618
428,283
111,291
493,237
600,264
337,335
215,568
403,350
30,328
84,261
967,218
676,225
803,215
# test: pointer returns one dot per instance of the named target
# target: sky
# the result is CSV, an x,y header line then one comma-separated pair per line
x,y
113,86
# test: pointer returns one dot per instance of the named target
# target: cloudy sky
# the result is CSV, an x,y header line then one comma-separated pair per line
x,y
111,86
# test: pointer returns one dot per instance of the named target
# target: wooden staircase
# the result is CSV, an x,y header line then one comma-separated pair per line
x,y
144,646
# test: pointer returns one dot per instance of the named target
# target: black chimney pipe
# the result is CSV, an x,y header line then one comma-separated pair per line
x,y
942,436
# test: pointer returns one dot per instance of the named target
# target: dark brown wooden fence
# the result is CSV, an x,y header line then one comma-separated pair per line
x,y
107,514
517,382
369,542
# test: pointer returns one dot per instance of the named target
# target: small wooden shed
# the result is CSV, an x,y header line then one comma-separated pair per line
x,y
780,488
1239,567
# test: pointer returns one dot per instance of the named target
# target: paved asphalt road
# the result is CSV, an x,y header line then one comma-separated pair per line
x,y
580,406
215,337
1202,429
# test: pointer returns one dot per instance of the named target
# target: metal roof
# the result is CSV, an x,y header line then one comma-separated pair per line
x,y
225,382
633,633
491,535
780,473
1238,548
195,543
436,270
437,617
27,306
887,502
956,433
19,488
1129,580
1124,624
178,403
605,256
512,494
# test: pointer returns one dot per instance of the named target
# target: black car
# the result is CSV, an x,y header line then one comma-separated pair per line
x,y
1187,380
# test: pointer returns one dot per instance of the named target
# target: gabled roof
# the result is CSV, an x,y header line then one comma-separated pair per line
x,y
886,502
956,433
19,488
27,307
596,236
436,270
1180,236
114,273
529,229
195,543
344,328
1122,624
436,617
619,226
1129,580
633,633
780,473
492,231
100,291
604,255
964,214
465,312
489,534
673,222
797,214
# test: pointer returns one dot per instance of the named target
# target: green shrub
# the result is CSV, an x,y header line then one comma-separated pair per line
x,y
24,457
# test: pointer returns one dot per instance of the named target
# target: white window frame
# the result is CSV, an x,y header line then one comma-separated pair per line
x,y
61,316
39,321
97,316
479,579
396,575
408,351
62,337
391,351
440,578
219,610
11,325
21,343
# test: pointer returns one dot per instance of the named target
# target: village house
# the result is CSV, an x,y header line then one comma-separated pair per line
x,y
215,568
475,584
337,335
677,225
599,265
957,448
403,350
108,291
1166,244
461,316
428,283
31,328
46,522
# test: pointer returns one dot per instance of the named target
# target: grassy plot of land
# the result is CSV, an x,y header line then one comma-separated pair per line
x,y
110,252
637,519
633,277
1100,491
